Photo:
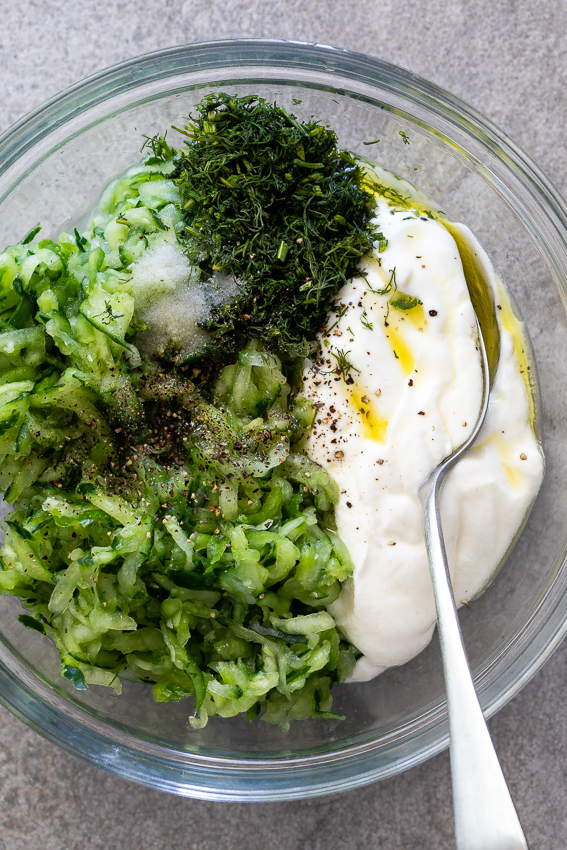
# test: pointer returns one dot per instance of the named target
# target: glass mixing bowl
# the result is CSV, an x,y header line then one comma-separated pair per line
x,y
53,164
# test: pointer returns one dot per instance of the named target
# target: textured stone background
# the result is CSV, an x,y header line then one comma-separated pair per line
x,y
508,58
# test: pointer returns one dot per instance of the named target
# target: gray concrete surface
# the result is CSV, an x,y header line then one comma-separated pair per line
x,y
508,58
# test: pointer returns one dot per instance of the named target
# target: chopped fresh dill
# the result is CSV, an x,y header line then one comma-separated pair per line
x,y
395,199
399,300
404,137
274,203
343,364
402,301
159,147
365,323
108,315
340,311
391,286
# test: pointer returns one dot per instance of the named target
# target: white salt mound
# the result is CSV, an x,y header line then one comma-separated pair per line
x,y
171,299
160,270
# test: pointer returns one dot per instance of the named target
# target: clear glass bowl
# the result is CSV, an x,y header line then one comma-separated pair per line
x,y
53,164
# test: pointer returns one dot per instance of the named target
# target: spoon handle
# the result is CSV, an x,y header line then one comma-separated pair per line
x,y
485,817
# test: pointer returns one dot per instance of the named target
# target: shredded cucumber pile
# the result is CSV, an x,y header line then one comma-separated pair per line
x,y
162,531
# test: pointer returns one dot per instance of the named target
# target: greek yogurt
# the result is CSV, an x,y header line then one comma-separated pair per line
x,y
396,391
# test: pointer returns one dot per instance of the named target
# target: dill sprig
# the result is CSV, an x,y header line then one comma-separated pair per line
x,y
391,286
343,367
275,203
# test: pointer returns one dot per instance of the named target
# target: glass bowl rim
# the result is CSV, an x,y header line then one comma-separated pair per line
x,y
255,780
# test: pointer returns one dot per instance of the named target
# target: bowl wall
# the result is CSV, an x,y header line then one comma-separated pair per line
x,y
52,167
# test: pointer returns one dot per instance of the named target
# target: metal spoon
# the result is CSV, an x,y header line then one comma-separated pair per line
x,y
485,817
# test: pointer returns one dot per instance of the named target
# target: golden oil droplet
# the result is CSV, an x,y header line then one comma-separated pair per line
x,y
401,350
375,426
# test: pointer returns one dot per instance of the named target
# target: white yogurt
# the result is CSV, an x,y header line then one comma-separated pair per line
x,y
413,395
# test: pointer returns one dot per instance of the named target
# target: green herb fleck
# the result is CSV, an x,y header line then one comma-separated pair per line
x,y
31,623
340,311
401,301
75,676
30,235
161,150
395,199
343,363
81,242
391,286
108,315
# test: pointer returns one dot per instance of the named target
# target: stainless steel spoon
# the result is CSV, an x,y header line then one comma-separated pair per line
x,y
485,817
